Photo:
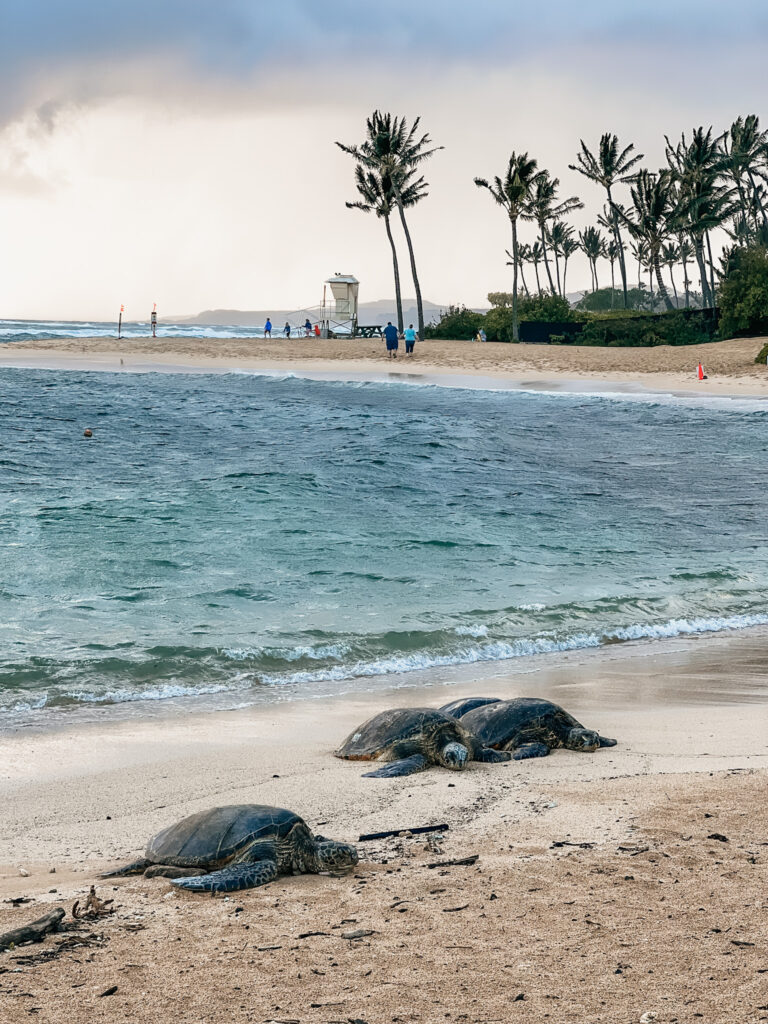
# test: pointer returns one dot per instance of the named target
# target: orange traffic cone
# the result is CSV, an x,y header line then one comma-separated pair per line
x,y
701,372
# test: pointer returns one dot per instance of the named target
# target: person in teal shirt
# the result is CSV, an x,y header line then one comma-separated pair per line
x,y
410,336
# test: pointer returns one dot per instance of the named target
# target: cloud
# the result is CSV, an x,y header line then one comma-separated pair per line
x,y
59,51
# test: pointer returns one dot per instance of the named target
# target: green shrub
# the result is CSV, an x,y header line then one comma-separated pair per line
x,y
600,301
457,323
762,355
544,306
648,331
497,323
743,293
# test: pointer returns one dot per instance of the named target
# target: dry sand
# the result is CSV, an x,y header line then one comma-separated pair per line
x,y
729,365
652,915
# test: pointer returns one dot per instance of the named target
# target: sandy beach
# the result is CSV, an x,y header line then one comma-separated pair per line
x,y
607,886
730,365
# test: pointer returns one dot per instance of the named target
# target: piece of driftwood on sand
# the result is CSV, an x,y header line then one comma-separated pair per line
x,y
35,931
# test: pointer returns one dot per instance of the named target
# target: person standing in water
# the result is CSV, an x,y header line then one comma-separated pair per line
x,y
411,337
268,328
390,336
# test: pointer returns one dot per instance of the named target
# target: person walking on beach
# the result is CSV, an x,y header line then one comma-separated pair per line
x,y
390,336
317,330
268,328
411,337
307,328
287,329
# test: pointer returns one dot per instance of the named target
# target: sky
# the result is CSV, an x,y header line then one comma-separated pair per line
x,y
181,152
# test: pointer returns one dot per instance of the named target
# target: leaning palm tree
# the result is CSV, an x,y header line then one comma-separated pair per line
x,y
376,197
544,207
512,193
394,150
592,244
652,199
608,168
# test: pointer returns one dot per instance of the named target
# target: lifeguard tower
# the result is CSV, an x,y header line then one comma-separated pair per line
x,y
340,318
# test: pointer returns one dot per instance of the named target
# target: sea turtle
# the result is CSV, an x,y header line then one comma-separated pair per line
x,y
238,847
459,707
412,739
531,727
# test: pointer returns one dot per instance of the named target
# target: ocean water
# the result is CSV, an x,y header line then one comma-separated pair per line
x,y
242,534
33,330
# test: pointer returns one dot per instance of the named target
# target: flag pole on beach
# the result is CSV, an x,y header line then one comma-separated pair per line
x,y
153,319
120,322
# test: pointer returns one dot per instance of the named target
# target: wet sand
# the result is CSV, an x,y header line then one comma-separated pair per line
x,y
729,365
652,915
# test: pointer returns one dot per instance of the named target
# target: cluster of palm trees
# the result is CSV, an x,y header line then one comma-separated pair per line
x,y
710,182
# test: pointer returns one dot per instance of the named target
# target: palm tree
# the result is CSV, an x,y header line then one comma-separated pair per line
x,y
537,255
560,237
670,256
686,255
652,199
568,247
592,244
702,203
608,168
376,197
513,193
612,252
544,206
639,250
744,152
524,253
394,150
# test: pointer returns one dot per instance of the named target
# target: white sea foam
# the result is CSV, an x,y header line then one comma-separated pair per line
x,y
475,631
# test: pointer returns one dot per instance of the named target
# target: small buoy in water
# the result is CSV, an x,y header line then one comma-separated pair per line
x,y
87,432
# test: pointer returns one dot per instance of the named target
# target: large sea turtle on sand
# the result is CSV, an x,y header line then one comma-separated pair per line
x,y
412,739
530,727
237,847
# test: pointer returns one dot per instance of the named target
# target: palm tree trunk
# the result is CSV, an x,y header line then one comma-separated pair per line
x,y
620,247
557,268
674,286
660,280
538,283
417,287
565,271
594,270
515,261
686,283
711,270
546,259
756,194
613,282
522,278
396,268
699,247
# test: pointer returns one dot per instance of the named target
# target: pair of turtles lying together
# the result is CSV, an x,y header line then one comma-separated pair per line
x,y
485,729
246,845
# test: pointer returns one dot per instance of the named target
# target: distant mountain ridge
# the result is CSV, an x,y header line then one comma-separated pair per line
x,y
377,312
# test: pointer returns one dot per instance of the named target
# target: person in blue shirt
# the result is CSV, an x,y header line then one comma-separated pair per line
x,y
390,336
307,328
411,337
268,328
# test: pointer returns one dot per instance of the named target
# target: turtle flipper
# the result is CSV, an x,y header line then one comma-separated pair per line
x,y
395,769
530,750
239,876
490,756
605,742
136,867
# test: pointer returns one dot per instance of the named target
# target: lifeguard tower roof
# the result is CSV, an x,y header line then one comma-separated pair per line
x,y
342,279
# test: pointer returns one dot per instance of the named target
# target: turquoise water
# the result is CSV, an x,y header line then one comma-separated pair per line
x,y
239,534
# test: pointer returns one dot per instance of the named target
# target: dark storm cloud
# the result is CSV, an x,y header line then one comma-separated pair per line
x,y
52,51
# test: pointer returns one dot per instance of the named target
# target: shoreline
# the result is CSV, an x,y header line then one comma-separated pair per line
x,y
552,368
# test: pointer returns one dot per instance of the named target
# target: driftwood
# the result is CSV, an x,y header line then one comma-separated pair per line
x,y
94,907
418,830
35,931
454,863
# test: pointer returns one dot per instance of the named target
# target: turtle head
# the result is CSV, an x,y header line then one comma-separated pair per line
x,y
454,756
583,739
333,856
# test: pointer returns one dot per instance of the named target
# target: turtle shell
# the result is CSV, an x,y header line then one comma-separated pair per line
x,y
462,705
508,723
213,837
406,727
